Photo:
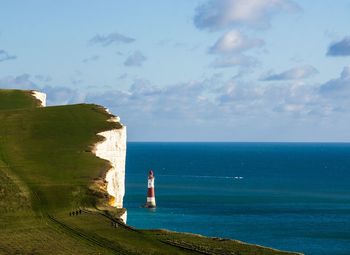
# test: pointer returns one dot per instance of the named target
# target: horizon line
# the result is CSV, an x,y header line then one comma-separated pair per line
x,y
308,142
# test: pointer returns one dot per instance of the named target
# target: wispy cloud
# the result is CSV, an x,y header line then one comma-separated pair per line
x,y
301,72
113,38
63,95
340,48
43,78
135,59
339,87
22,81
220,14
234,60
57,95
211,99
4,56
91,59
198,106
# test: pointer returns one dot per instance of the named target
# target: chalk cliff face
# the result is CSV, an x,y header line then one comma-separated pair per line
x,y
113,149
40,96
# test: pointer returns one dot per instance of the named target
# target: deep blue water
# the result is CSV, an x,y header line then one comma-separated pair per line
x,y
291,197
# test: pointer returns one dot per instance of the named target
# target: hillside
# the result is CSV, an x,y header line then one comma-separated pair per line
x,y
48,171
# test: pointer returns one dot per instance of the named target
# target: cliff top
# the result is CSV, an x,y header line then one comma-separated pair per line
x,y
17,99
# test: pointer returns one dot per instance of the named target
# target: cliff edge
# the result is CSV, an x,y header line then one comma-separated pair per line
x,y
113,149
40,96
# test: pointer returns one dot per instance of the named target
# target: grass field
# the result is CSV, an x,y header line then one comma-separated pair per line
x,y
46,169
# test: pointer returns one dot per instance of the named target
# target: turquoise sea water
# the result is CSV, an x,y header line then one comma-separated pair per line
x,y
291,196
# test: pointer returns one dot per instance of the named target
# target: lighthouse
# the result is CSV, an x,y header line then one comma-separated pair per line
x,y
151,200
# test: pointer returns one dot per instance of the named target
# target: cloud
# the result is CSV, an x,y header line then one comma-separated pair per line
x,y
335,93
340,48
43,78
4,56
91,59
234,42
123,76
135,59
61,95
207,100
340,87
296,73
56,95
234,60
219,109
230,48
221,14
113,38
22,81
157,106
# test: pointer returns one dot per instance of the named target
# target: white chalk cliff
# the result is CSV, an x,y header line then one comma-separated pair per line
x,y
113,149
124,216
40,96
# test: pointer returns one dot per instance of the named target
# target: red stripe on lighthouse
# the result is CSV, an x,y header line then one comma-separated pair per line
x,y
150,192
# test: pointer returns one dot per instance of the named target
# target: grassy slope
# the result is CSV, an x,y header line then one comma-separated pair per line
x,y
46,166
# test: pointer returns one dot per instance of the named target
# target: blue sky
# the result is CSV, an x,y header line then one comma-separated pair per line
x,y
189,70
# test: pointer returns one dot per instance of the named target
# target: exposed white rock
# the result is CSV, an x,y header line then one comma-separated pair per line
x,y
40,96
124,216
113,149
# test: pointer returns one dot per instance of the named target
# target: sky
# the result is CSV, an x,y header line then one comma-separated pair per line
x,y
189,70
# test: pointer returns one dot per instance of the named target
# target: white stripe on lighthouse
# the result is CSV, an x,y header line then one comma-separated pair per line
x,y
151,200
151,183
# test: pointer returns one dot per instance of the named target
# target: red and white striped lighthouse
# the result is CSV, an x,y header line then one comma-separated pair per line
x,y
151,200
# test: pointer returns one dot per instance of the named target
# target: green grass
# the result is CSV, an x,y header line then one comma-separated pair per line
x,y
17,99
49,148
46,171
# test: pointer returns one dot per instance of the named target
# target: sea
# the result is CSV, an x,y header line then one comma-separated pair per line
x,y
289,196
